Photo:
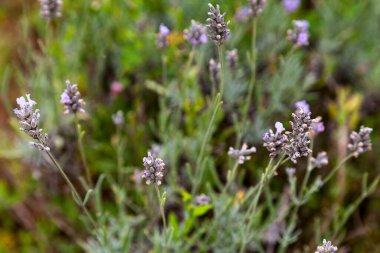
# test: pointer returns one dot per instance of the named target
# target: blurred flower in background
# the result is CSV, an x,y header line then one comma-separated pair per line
x,y
291,5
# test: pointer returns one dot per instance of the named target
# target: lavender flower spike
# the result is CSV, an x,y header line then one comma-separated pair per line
x,y
257,6
196,34
299,138
300,35
202,200
274,142
291,5
241,155
217,28
29,120
326,247
50,9
163,36
154,168
71,99
360,142
118,118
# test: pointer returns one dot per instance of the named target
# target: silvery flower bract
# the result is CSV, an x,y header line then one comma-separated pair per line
x,y
29,120
154,168
217,28
232,58
214,69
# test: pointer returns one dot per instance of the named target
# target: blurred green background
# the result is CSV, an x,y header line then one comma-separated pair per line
x,y
99,42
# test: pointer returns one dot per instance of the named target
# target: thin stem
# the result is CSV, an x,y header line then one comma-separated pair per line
x,y
206,138
81,151
119,155
232,177
252,82
161,206
308,171
336,168
222,68
164,69
73,189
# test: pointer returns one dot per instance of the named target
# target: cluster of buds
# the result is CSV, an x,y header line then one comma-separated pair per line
x,y
257,6
118,118
320,160
50,9
274,141
196,34
202,200
71,99
326,247
29,120
217,28
360,142
243,154
154,168
299,35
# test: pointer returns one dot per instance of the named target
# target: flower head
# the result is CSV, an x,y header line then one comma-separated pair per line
x,y
274,141
242,14
118,118
302,104
291,5
257,6
71,99
116,88
217,28
202,200
154,168
298,139
232,58
163,36
241,155
320,160
299,35
326,247
196,34
317,126
360,142
50,9
29,120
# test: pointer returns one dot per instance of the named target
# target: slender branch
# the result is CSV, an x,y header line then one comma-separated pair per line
x,y
81,151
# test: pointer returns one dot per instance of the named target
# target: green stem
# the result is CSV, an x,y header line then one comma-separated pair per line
x,y
206,138
308,171
232,177
162,211
81,151
251,84
73,189
336,168
119,156
222,68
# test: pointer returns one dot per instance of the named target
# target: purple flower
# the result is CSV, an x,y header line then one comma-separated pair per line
x,y
196,34
243,154
299,35
291,5
163,36
242,14
317,126
302,104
